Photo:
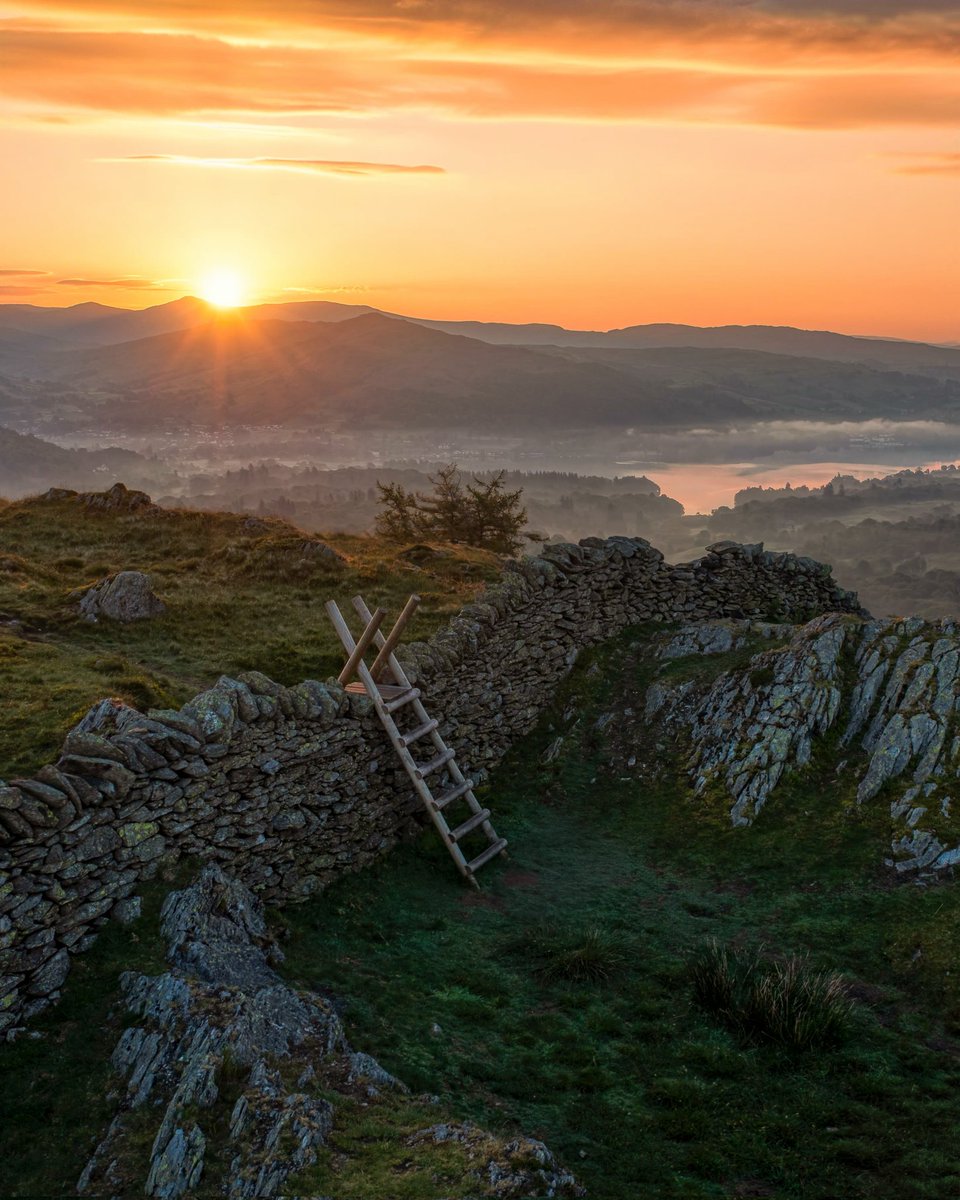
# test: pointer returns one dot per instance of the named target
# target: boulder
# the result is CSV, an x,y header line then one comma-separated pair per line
x,y
126,596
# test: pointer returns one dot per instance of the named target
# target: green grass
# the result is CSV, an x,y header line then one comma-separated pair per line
x,y
558,1001
621,1070
237,599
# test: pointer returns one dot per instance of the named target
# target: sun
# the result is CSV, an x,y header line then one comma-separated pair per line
x,y
222,288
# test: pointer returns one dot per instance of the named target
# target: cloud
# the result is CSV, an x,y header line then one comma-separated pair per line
x,y
19,271
134,282
798,63
19,289
930,164
302,166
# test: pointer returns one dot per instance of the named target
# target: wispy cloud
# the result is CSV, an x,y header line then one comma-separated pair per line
x,y
20,271
300,166
930,164
19,289
134,282
830,64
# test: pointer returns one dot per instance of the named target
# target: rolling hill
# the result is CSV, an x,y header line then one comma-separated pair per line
x,y
393,373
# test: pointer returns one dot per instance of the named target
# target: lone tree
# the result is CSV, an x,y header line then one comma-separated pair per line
x,y
481,513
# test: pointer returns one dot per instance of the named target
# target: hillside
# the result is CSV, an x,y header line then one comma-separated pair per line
x,y
388,374
241,594
28,463
563,998
93,324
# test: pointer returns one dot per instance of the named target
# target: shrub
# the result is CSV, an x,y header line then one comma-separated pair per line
x,y
588,955
763,999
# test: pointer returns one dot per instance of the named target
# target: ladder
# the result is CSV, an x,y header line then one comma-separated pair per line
x,y
400,701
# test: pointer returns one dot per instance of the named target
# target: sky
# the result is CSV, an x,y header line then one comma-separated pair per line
x,y
598,164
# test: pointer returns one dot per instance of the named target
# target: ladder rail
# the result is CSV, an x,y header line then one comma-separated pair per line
x,y
453,767
411,765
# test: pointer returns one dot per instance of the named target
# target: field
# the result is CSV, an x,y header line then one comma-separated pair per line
x,y
558,1000
240,595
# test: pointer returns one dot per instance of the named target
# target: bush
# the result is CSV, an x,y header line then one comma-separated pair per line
x,y
589,955
763,999
482,513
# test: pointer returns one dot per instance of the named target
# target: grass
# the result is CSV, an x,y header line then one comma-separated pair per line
x,y
237,599
620,1069
558,1000
767,1000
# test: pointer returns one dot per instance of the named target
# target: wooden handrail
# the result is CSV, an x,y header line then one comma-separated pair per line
x,y
393,637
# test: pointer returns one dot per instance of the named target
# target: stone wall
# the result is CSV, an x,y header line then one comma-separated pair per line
x,y
292,787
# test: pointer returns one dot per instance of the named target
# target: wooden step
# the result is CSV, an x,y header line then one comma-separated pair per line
x,y
407,739
435,764
441,802
491,852
407,696
388,691
475,821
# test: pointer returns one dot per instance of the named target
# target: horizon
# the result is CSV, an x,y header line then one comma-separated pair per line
x,y
226,309
781,162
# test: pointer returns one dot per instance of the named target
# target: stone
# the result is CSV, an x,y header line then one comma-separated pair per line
x,y
124,597
220,1007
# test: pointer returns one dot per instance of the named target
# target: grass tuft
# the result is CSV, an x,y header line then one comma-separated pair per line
x,y
587,955
785,1002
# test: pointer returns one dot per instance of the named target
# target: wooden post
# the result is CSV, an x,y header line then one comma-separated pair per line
x,y
361,647
394,636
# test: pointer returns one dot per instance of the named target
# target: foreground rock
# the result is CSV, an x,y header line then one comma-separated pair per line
x,y
222,1024
126,596
891,690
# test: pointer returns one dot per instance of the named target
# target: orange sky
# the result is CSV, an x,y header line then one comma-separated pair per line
x,y
594,164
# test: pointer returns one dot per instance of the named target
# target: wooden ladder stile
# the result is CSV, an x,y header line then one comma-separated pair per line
x,y
396,697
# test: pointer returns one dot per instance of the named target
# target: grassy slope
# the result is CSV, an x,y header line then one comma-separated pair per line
x,y
638,1090
633,1086
236,600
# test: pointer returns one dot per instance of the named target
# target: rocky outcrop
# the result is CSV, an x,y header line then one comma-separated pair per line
x,y
126,596
228,1072
890,688
295,786
117,499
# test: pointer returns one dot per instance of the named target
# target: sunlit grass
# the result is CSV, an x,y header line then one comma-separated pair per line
x,y
240,596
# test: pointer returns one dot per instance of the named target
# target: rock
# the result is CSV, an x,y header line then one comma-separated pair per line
x,y
222,1008
707,637
128,911
123,597
119,498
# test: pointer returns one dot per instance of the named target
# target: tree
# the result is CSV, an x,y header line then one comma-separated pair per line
x,y
496,516
481,513
399,518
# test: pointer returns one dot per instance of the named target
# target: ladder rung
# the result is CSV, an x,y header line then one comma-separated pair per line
x,y
454,794
401,700
491,852
435,764
407,739
477,819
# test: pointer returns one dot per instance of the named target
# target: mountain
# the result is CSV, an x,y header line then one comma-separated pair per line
x,y
838,347
393,373
99,325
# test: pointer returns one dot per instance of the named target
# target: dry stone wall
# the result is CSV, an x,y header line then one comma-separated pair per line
x,y
292,787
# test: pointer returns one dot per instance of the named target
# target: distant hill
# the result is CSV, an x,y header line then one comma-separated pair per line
x,y
769,339
390,372
100,325
29,464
